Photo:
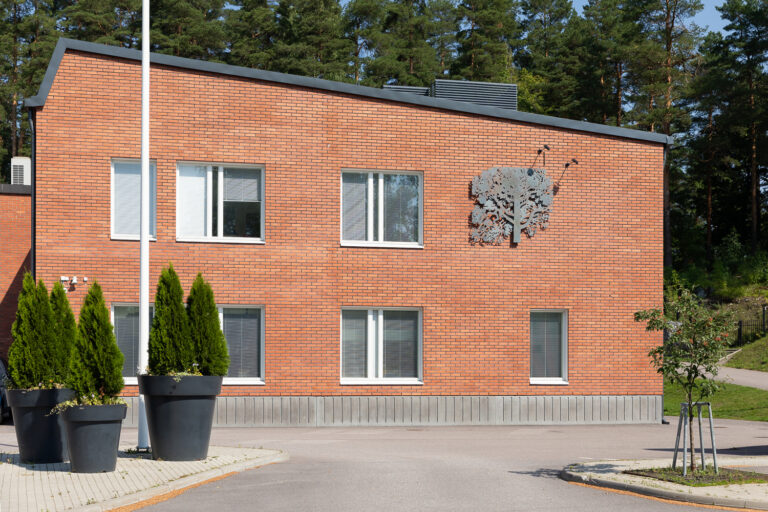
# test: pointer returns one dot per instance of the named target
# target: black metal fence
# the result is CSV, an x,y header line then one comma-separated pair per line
x,y
749,329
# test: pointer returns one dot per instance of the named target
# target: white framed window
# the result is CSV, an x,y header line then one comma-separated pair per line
x,y
381,346
549,346
243,328
125,321
382,208
219,203
125,199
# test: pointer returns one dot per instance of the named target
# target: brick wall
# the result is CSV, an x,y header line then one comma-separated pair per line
x,y
15,245
600,257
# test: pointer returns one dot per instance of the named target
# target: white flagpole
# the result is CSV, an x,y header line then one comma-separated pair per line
x,y
144,231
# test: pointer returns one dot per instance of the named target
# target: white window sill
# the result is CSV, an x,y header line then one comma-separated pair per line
x,y
381,382
134,238
548,381
390,245
222,240
228,381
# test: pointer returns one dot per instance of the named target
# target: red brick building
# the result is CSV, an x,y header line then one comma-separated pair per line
x,y
333,222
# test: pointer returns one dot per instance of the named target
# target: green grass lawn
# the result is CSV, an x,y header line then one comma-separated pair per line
x,y
734,402
752,357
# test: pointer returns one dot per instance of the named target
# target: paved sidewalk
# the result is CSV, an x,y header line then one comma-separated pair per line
x,y
751,378
51,487
609,473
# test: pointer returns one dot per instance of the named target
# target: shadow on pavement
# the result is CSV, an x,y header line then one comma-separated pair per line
x,y
733,450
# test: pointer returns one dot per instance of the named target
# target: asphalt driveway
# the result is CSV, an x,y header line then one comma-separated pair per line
x,y
444,468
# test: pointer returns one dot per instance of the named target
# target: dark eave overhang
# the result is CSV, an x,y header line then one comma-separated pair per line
x,y
327,85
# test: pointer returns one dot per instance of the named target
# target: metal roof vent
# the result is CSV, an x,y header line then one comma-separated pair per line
x,y
21,170
479,93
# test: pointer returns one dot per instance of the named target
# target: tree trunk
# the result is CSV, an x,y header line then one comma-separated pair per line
x,y
753,168
709,163
619,92
690,433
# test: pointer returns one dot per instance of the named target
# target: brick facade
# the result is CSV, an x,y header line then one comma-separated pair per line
x,y
15,246
600,258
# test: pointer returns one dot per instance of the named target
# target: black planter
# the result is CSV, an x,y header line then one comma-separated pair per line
x,y
179,414
39,433
93,434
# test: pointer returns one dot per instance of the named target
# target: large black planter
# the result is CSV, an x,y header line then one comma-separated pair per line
x,y
39,433
179,414
93,434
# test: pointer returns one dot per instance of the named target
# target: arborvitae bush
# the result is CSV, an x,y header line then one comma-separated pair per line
x,y
171,349
64,329
209,343
31,355
96,364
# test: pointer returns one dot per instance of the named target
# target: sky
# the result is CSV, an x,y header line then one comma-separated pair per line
x,y
708,17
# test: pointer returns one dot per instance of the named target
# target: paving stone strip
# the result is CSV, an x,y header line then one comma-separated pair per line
x,y
609,473
52,487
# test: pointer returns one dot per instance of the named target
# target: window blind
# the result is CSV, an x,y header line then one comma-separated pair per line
x,y
127,335
401,338
127,198
546,344
354,343
401,208
355,206
190,219
242,329
242,185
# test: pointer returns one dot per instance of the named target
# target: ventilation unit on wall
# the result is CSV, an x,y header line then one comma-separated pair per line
x,y
21,170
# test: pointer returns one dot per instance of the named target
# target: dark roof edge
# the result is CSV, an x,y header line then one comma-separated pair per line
x,y
20,190
65,44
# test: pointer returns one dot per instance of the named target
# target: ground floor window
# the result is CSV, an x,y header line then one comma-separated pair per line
x,y
242,326
380,346
549,347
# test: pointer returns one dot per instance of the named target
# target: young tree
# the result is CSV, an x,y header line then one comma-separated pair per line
x,y
96,364
63,328
210,346
31,356
696,342
488,33
171,348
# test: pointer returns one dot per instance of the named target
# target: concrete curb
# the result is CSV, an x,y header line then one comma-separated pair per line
x,y
586,478
182,483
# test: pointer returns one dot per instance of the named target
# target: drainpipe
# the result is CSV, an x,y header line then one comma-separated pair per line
x,y
32,120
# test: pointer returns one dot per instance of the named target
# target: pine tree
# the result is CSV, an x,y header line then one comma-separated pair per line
x,y
250,30
64,329
96,364
489,32
310,39
363,21
211,351
114,22
30,361
171,349
188,28
443,29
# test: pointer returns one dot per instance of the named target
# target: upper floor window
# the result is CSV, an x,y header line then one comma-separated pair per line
x,y
381,208
126,199
219,203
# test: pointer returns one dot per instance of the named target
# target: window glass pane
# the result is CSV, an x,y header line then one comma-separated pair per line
x,y
242,329
190,213
242,203
127,198
354,205
401,208
215,202
546,344
401,339
354,343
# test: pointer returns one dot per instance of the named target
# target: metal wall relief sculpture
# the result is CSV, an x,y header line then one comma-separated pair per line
x,y
509,200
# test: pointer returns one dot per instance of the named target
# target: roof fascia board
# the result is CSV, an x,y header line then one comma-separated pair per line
x,y
328,85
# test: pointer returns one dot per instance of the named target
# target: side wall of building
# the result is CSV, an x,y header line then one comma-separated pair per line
x,y
600,258
15,247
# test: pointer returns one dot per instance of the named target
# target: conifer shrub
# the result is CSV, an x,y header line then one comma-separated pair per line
x,y
64,329
34,356
171,349
210,346
96,364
